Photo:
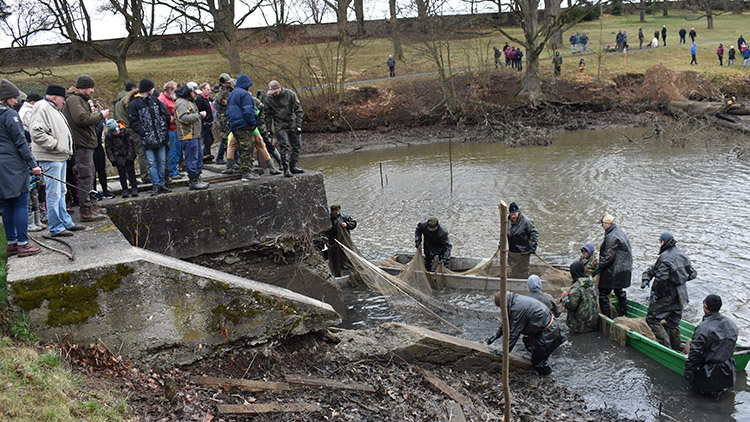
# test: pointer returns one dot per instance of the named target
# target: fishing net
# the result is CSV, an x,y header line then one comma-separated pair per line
x,y
618,329
403,291
337,259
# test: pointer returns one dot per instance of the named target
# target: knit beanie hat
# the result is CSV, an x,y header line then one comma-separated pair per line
x,y
84,81
8,90
112,125
146,85
712,302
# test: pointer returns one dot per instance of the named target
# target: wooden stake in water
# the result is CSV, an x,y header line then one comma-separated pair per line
x,y
381,174
503,290
450,161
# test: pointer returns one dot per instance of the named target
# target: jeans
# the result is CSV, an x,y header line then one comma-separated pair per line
x,y
155,159
585,47
746,63
193,156
57,215
730,62
175,153
85,163
16,218
222,150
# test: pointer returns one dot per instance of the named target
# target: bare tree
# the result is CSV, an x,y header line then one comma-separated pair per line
x,y
359,13
341,7
398,52
552,12
72,20
219,22
536,37
317,9
642,9
281,16
665,8
23,21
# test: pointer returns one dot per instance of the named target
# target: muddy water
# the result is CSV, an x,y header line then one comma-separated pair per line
x,y
700,193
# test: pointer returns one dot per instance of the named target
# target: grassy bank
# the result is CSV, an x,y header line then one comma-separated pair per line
x,y
262,61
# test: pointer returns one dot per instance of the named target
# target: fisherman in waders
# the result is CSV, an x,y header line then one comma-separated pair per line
x,y
615,266
522,242
710,368
669,293
339,222
436,242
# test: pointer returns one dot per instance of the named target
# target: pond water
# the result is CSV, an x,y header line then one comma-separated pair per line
x,y
698,192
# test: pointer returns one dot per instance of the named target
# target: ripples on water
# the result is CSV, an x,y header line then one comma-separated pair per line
x,y
698,193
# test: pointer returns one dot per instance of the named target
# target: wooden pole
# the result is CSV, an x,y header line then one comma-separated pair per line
x,y
450,161
503,290
381,174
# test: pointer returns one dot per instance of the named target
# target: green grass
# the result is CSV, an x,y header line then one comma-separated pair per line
x,y
38,387
368,61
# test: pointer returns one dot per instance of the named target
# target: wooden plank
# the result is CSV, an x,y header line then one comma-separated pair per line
x,y
454,411
248,385
449,391
324,382
257,408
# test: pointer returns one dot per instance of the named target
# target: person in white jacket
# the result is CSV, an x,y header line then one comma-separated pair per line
x,y
52,146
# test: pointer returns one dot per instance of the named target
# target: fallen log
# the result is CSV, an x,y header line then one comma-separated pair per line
x,y
324,382
257,408
438,384
248,385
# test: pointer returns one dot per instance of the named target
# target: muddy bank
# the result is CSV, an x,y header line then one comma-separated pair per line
x,y
401,393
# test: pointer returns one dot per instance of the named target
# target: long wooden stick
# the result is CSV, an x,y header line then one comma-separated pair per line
x,y
503,289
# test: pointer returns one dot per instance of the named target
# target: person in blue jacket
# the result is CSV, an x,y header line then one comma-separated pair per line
x,y
692,51
242,117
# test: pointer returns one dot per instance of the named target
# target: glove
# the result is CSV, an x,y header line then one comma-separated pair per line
x,y
596,271
496,352
493,338
444,261
532,251
645,282
417,244
299,130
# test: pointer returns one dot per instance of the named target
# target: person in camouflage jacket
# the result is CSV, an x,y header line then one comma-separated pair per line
x,y
581,301
589,258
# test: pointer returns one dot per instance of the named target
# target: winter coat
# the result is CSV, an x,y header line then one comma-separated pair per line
x,y
204,104
578,38
149,118
670,273
392,62
221,112
710,366
664,33
730,54
572,39
51,139
284,111
435,242
15,155
557,61
692,49
531,318
746,53
720,51
241,113
640,34
535,291
261,115
740,41
682,33
522,235
121,107
23,114
120,148
582,303
692,34
351,224
82,121
615,259
188,119
584,39
169,102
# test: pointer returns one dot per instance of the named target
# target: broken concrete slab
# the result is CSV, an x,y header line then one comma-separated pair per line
x,y
150,306
417,344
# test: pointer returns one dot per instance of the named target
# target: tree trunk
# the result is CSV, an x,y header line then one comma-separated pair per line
x,y
737,6
665,8
709,16
398,52
341,21
643,11
359,12
552,9
531,86
122,68
421,9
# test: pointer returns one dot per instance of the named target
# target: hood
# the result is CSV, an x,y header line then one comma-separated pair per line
x,y
184,92
535,284
577,270
589,248
244,82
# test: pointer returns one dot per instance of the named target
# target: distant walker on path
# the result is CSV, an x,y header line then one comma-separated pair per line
x,y
391,66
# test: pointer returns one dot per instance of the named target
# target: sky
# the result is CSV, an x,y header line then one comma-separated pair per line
x,y
105,25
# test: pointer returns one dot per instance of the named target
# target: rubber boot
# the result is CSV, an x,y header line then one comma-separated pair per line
x,y
287,173
32,227
294,169
230,167
271,168
196,183
38,219
674,339
277,156
622,303
660,333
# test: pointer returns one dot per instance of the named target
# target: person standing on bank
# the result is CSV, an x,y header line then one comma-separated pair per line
x,y
615,266
522,242
392,65
284,118
339,222
664,34
190,124
669,294
52,146
710,368
436,242
83,122
693,52
15,162
242,117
